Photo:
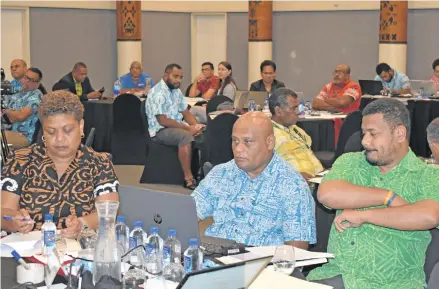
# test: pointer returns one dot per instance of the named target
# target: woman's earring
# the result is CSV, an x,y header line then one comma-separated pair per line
x,y
82,136
44,140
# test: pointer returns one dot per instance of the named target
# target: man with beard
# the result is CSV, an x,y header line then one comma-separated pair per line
x,y
166,110
257,198
386,199
396,82
342,94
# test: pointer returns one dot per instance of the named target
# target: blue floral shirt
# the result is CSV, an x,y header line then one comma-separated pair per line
x,y
16,84
162,100
273,208
23,99
399,81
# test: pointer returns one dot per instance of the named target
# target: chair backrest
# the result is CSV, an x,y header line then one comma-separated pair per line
x,y
218,139
38,133
214,102
432,254
188,89
125,116
354,143
351,124
90,138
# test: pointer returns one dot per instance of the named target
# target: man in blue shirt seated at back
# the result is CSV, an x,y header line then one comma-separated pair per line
x,y
18,69
21,109
396,82
257,198
135,80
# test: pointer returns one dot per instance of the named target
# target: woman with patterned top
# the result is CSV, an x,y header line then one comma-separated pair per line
x,y
59,176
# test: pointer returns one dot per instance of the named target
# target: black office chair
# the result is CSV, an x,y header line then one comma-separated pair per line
x,y
214,102
351,124
38,133
128,136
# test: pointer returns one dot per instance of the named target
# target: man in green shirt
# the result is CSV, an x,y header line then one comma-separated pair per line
x,y
386,200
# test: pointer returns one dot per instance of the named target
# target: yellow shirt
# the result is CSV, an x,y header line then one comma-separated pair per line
x,y
78,87
294,145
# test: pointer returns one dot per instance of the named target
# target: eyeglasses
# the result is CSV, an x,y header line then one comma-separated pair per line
x,y
15,66
135,68
339,72
27,78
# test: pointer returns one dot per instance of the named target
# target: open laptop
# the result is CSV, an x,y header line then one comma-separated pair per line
x,y
371,87
427,86
233,276
258,96
161,209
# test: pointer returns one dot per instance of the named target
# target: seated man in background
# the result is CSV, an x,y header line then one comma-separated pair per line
x,y
22,108
135,80
205,86
433,138
206,83
165,110
268,82
292,143
342,94
386,200
257,198
396,82
78,83
18,70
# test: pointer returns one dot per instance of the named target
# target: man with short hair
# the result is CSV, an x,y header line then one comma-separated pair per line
x,y
292,143
135,80
433,138
257,198
396,82
165,110
268,81
78,83
386,200
342,94
18,70
205,83
21,109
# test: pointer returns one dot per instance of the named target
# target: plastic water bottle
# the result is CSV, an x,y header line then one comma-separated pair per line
x,y
266,108
420,93
251,105
122,235
308,107
116,88
48,234
193,257
171,249
154,252
137,237
301,109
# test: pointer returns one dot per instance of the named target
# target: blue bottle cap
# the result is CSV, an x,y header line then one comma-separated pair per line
x,y
48,217
172,233
138,224
193,242
153,230
121,219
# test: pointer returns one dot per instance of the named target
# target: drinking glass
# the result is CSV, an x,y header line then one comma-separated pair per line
x,y
284,259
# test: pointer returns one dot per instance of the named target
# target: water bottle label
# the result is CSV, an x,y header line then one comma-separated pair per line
x,y
187,264
167,254
149,248
133,242
49,238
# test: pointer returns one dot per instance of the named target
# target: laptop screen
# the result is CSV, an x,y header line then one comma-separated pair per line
x,y
234,276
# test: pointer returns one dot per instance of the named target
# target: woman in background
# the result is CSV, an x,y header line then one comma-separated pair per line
x,y
227,85
435,77
59,176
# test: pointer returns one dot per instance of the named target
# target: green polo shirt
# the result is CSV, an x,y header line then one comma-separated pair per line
x,y
377,257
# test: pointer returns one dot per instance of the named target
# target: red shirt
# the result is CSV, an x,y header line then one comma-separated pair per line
x,y
204,85
350,88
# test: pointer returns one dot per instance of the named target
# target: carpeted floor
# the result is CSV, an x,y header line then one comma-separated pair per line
x,y
130,176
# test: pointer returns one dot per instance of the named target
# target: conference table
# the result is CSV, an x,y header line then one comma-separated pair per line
x,y
422,112
99,114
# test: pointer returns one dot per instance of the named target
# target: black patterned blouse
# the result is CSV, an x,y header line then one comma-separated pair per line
x,y
30,173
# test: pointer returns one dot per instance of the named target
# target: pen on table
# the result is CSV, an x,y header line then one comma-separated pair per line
x,y
10,218
20,260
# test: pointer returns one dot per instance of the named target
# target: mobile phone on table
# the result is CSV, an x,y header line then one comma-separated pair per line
x,y
102,90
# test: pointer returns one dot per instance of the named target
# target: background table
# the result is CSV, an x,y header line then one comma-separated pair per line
x,y
321,132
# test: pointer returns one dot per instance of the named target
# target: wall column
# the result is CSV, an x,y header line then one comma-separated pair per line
x,y
129,34
260,45
393,34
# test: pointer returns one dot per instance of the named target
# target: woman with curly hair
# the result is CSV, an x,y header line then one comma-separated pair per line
x,y
58,176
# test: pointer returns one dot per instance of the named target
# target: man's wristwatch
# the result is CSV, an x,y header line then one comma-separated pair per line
x,y
83,225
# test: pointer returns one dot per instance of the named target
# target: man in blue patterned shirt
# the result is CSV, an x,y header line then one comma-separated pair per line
x,y
21,109
257,198
165,110
18,70
396,82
